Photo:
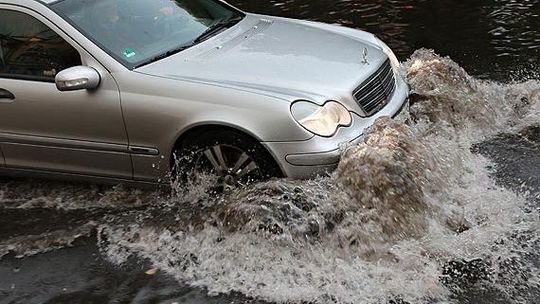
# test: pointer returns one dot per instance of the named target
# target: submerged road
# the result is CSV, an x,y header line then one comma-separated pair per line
x,y
80,274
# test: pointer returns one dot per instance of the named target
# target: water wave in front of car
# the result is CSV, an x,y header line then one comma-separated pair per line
x,y
411,214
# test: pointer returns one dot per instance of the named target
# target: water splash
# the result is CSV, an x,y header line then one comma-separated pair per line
x,y
407,210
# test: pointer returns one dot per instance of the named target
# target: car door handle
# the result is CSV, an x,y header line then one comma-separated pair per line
x,y
5,94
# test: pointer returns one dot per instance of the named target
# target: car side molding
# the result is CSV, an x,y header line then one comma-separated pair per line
x,y
143,150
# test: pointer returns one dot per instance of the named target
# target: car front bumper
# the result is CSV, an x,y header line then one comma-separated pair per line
x,y
320,155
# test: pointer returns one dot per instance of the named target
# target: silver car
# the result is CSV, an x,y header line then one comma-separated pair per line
x,y
134,90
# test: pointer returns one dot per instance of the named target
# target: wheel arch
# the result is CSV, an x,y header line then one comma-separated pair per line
x,y
199,128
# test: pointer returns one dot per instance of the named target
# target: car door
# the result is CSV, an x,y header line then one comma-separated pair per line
x,y
41,128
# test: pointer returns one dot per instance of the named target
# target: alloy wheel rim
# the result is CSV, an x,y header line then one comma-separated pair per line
x,y
232,166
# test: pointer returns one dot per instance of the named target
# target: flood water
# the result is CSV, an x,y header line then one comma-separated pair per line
x,y
440,205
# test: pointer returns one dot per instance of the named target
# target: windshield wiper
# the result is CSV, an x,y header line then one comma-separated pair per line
x,y
165,55
212,30
218,26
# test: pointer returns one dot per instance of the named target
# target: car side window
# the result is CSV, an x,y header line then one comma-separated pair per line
x,y
31,50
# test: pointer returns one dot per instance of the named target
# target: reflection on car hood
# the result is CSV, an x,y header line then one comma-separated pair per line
x,y
277,56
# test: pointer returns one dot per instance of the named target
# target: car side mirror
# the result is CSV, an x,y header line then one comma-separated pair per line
x,y
77,78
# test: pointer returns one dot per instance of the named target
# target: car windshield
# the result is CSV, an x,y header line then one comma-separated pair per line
x,y
138,32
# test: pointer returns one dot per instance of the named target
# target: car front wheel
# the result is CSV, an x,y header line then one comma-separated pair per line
x,y
232,158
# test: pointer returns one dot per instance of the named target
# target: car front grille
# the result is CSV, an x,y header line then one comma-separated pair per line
x,y
377,90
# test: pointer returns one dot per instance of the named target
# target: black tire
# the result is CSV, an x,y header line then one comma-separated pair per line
x,y
189,157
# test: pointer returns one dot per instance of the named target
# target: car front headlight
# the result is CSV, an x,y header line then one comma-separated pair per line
x,y
321,120
388,52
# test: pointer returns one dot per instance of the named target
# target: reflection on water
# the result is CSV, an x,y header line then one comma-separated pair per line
x,y
487,37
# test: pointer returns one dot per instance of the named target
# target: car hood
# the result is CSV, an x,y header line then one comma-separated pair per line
x,y
288,58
